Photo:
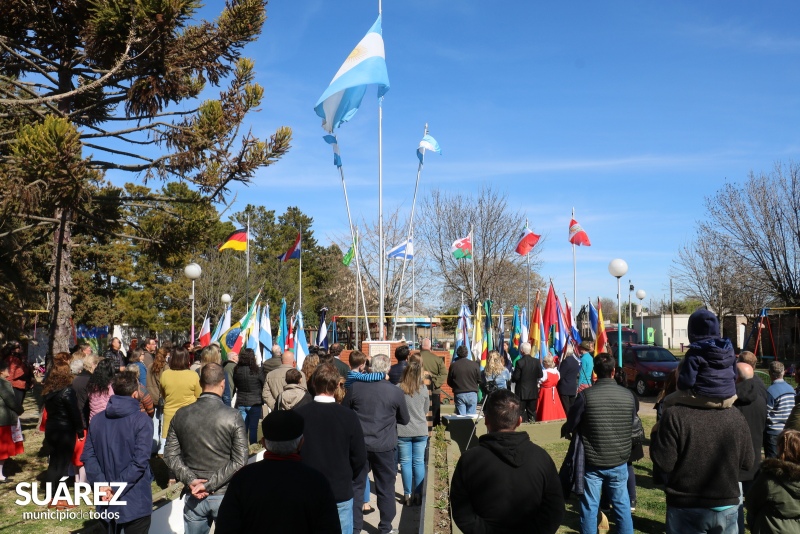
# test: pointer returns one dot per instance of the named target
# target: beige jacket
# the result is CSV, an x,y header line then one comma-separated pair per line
x,y
292,396
273,385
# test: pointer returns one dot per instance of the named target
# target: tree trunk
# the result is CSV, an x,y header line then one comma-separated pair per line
x,y
59,334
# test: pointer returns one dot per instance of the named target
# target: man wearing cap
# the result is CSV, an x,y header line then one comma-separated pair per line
x,y
279,493
206,445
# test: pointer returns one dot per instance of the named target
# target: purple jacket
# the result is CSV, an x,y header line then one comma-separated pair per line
x,y
709,369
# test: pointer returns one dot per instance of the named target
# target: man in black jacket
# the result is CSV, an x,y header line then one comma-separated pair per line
x,y
750,401
526,376
507,483
336,351
380,407
206,445
464,377
396,371
604,415
115,354
334,442
567,387
279,493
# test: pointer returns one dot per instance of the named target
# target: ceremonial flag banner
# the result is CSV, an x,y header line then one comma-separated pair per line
x,y
550,315
283,334
322,333
602,339
205,332
366,65
301,345
402,250
477,333
513,347
219,329
577,236
570,318
331,140
462,248
233,338
527,240
487,333
265,335
253,334
294,251
560,341
593,320
348,258
523,324
236,241
536,337
290,338
501,336
428,143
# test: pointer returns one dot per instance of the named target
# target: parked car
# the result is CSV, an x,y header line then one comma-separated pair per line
x,y
646,367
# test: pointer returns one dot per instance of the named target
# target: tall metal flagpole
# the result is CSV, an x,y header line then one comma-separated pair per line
x,y
247,268
381,245
413,305
528,260
408,238
300,277
574,269
363,300
472,246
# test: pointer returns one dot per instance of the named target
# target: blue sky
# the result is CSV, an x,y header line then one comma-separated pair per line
x,y
630,112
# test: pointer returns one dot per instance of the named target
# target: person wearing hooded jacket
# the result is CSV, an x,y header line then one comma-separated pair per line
x,y
750,402
773,502
506,483
118,450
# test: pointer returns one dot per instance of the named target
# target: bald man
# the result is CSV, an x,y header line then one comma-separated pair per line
x,y
276,380
751,403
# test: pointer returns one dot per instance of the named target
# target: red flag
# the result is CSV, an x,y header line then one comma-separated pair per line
x,y
526,241
550,312
577,235
290,338
205,332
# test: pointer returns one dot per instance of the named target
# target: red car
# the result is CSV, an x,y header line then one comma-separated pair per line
x,y
646,367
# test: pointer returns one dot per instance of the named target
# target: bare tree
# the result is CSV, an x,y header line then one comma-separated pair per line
x,y
500,274
761,220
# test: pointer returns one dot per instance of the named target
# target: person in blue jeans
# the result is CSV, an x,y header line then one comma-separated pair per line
x,y
464,378
413,437
604,406
248,379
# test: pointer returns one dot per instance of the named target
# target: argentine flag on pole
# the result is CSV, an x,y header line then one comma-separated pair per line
x,y
366,65
331,140
301,345
402,250
265,336
428,143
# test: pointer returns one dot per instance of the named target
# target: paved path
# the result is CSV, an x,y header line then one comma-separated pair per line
x,y
406,519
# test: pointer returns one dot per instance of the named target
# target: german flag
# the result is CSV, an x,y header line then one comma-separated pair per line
x,y
236,241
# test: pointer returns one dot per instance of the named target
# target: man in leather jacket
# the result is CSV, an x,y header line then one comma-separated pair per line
x,y
206,445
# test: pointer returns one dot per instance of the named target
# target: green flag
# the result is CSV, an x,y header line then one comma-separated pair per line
x,y
350,253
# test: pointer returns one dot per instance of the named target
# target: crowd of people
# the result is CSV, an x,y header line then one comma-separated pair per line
x,y
330,423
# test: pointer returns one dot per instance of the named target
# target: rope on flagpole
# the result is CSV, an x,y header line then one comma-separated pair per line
x,y
408,237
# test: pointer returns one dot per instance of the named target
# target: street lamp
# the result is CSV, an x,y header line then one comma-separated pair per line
x,y
226,299
192,272
618,268
630,307
641,295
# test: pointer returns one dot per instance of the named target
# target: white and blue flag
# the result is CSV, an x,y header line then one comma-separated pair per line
x,y
366,65
300,343
403,250
428,143
331,140
265,335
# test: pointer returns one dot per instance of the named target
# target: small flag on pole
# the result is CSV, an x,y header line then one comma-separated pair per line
x,y
602,338
294,251
236,241
428,143
366,65
205,332
462,248
301,345
527,240
283,334
322,333
331,140
403,250
348,258
577,235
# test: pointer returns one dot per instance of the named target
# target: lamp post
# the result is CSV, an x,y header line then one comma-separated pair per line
x,y
192,272
641,295
226,299
618,268
630,306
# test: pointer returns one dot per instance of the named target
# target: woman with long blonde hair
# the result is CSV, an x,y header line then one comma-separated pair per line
x,y
413,437
495,375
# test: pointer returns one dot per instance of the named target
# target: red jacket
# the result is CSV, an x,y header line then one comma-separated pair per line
x,y
19,373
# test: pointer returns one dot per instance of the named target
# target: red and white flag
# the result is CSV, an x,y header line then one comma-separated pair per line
x,y
577,235
527,240
205,332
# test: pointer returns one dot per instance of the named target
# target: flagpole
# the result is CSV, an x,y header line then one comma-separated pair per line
x,y
381,251
361,287
574,269
528,260
408,237
247,268
472,247
413,306
300,297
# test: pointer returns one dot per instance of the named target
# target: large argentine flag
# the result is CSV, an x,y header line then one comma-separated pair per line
x,y
404,250
366,65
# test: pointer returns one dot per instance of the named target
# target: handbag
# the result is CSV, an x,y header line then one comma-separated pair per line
x,y
637,435
77,451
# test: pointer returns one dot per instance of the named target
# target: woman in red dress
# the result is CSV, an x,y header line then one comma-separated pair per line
x,y
548,406
10,432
